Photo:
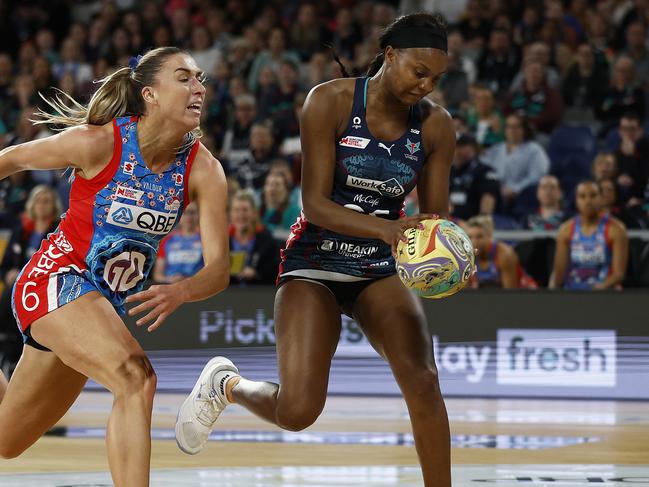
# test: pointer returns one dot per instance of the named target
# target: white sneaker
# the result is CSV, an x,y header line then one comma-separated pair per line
x,y
201,409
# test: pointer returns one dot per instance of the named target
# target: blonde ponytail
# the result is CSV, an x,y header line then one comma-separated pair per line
x,y
119,95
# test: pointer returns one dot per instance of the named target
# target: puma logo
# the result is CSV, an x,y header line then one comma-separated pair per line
x,y
389,149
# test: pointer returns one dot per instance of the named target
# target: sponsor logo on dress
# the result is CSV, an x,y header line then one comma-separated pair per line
x,y
389,149
412,149
173,204
348,249
124,271
367,199
128,167
355,142
123,215
356,123
391,187
142,219
178,178
414,131
128,193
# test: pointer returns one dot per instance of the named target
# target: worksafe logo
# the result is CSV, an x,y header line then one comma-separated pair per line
x,y
584,358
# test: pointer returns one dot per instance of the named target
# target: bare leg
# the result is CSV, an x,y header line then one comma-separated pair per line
x,y
90,340
307,324
41,390
394,322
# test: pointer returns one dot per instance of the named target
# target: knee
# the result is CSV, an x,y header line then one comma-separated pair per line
x,y
298,416
418,380
134,376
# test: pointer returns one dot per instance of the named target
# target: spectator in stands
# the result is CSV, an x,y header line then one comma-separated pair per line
x,y
604,166
251,173
307,33
474,188
254,255
633,157
549,214
592,248
519,162
537,101
633,216
622,95
271,57
346,36
497,264
475,28
42,214
236,141
203,51
14,192
636,49
455,83
586,81
180,254
538,52
72,61
278,212
283,167
278,101
499,63
484,118
528,27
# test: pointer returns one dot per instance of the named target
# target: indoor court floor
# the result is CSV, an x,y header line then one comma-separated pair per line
x,y
362,441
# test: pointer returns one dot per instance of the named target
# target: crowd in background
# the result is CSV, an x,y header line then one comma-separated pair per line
x,y
544,94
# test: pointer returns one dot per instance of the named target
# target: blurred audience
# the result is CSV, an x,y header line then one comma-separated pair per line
x,y
180,254
553,63
550,213
254,255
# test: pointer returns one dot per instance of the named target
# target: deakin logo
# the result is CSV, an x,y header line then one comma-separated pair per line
x,y
389,149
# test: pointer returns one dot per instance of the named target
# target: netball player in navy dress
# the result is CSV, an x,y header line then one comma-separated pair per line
x,y
137,164
366,143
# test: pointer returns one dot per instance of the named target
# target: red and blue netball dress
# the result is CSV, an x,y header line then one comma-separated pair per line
x,y
590,256
108,239
372,176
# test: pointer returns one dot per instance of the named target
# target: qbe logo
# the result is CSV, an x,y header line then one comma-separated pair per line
x,y
585,358
145,220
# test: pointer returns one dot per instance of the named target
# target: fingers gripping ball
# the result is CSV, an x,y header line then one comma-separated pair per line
x,y
437,261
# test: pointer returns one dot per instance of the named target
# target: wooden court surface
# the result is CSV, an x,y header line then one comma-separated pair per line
x,y
619,432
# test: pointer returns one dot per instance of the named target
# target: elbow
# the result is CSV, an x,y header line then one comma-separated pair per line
x,y
222,281
311,211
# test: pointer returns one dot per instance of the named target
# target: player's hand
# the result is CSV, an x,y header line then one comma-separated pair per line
x,y
391,231
160,300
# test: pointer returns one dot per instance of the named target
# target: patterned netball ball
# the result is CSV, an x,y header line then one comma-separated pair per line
x,y
436,261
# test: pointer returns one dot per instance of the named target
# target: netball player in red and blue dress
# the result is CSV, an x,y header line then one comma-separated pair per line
x,y
366,143
592,248
137,164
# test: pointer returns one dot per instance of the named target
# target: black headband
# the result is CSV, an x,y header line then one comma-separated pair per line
x,y
416,37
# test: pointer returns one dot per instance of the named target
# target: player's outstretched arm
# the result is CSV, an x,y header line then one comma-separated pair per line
x,y
208,188
84,147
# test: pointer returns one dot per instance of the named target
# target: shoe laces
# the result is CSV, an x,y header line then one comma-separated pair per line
x,y
208,407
